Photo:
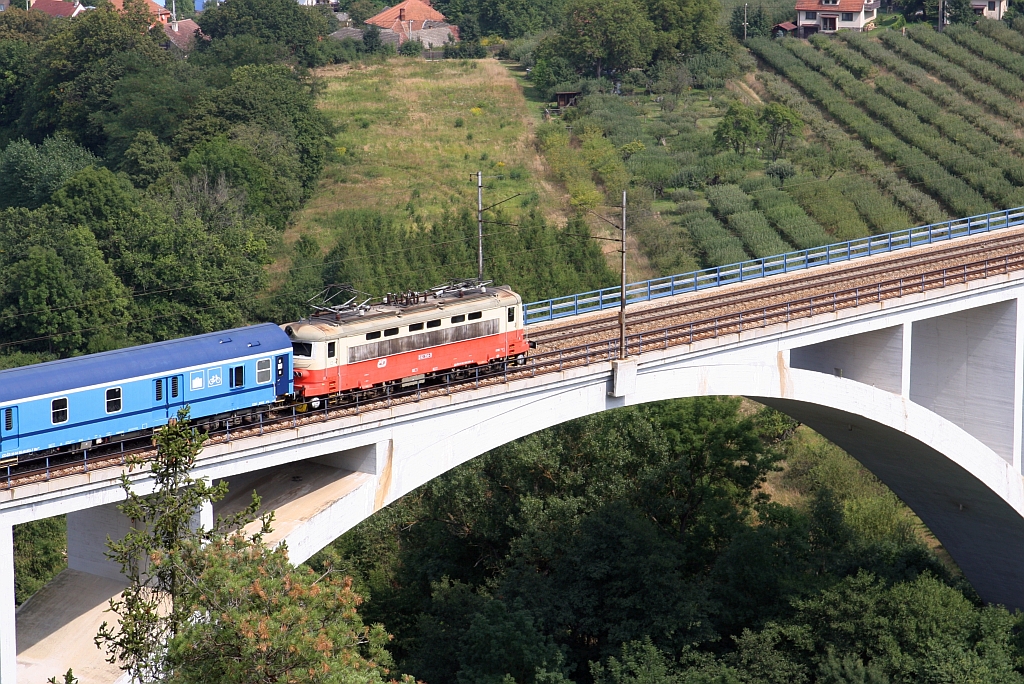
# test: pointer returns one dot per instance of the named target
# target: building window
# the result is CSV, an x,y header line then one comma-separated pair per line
x,y
434,324
59,410
810,16
236,376
113,398
828,23
991,6
847,16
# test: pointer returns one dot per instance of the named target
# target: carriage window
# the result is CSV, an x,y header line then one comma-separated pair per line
x,y
374,335
332,350
113,400
458,319
263,373
390,332
8,419
434,324
159,390
415,326
304,349
237,376
475,315
59,410
175,387
511,314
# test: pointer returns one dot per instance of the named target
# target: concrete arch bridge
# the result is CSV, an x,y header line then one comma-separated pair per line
x,y
912,362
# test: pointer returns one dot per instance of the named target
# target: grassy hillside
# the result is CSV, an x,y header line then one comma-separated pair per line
x,y
411,136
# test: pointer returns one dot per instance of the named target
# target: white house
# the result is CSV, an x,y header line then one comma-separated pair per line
x,y
829,16
990,9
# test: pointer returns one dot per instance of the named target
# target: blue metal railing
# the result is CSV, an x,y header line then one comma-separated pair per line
x,y
647,290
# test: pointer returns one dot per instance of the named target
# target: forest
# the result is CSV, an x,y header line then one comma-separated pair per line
x,y
146,194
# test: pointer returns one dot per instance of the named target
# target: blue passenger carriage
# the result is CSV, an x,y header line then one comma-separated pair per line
x,y
89,398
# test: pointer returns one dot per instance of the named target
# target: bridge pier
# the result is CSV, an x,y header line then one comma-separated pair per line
x,y
8,639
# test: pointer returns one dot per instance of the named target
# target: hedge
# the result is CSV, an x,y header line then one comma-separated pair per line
x,y
727,199
876,208
760,238
789,219
955,158
1007,82
717,245
955,193
997,30
918,203
986,48
858,66
827,203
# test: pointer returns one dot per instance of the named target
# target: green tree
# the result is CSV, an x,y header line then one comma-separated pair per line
x,y
960,12
780,124
361,10
683,27
271,21
740,128
603,35
29,174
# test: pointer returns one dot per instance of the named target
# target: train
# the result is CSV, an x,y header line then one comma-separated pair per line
x,y
338,353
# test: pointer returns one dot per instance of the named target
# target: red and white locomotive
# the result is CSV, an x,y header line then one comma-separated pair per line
x,y
407,339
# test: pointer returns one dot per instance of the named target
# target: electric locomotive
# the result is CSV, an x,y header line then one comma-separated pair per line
x,y
406,340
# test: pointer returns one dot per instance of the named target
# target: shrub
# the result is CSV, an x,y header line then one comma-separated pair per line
x,y
880,212
760,239
780,169
727,199
986,47
752,185
858,66
826,202
411,48
1007,82
790,220
717,245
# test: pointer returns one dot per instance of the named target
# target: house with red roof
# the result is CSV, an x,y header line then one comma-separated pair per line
x,y
416,20
182,33
58,8
829,16
160,13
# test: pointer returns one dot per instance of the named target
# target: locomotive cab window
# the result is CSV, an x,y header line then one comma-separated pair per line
x,y
373,335
390,332
458,319
303,349
415,326
476,315
511,314
236,376
113,400
434,324
59,410
263,372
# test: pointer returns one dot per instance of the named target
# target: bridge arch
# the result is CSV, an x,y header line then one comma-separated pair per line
x,y
967,495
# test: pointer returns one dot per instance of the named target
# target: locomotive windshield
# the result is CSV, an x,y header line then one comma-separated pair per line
x,y
302,349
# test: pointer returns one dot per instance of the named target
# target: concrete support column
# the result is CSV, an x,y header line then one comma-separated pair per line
x,y
908,332
8,637
1018,392
963,368
873,358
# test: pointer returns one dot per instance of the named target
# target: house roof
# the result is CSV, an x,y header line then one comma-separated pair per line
x,y
786,26
123,364
817,6
57,8
415,11
348,32
185,34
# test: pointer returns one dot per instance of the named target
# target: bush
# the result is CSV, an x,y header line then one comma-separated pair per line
x,y
790,220
727,199
717,245
411,48
826,202
464,50
780,169
1007,82
758,237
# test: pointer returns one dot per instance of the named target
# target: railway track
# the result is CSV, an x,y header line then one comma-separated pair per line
x,y
781,288
691,318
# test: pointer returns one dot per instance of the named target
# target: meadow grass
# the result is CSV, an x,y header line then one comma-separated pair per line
x,y
410,137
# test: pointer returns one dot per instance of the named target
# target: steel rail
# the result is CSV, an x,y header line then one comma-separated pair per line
x,y
543,363
548,334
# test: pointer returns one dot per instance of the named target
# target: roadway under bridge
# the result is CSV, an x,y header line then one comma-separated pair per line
x,y
912,362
